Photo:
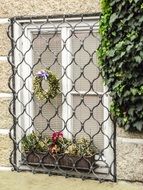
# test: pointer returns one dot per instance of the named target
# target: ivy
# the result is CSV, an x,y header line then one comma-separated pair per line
x,y
121,59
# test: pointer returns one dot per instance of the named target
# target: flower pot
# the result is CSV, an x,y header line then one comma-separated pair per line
x,y
64,161
78,162
35,158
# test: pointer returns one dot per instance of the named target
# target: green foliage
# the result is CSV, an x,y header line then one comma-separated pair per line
x,y
121,59
34,142
82,147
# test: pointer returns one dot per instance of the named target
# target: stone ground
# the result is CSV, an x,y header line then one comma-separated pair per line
x,y
29,181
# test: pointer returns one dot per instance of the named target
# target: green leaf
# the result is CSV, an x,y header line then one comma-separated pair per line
x,y
138,59
134,91
131,111
136,1
139,107
141,19
113,18
121,59
138,125
129,47
111,53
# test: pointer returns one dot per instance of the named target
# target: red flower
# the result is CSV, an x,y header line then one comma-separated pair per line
x,y
56,136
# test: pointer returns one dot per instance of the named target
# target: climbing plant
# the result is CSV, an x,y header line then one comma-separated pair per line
x,y
121,59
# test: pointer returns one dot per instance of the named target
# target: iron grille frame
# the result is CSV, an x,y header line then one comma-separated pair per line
x,y
11,59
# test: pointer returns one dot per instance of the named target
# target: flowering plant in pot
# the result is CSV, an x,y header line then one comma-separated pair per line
x,y
49,150
59,143
43,149
34,142
34,147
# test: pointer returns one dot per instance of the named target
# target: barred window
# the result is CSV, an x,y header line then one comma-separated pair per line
x,y
68,47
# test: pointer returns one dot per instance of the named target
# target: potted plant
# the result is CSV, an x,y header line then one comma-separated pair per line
x,y
34,147
80,154
44,150
50,151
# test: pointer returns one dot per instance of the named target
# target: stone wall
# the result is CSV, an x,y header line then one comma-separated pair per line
x,y
129,155
129,146
5,96
130,160
10,8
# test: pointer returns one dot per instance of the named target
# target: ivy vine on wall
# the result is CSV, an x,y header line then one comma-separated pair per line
x,y
121,59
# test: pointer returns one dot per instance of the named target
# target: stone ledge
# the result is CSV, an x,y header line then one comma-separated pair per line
x,y
130,141
5,168
4,20
122,133
4,131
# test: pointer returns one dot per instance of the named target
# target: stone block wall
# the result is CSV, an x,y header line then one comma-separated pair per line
x,y
129,146
5,96
129,155
10,8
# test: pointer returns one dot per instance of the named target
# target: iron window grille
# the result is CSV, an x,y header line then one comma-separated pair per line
x,y
67,45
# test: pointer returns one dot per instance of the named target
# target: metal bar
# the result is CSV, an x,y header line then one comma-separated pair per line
x,y
82,111
58,16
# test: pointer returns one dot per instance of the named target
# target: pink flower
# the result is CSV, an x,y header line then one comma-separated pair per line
x,y
56,135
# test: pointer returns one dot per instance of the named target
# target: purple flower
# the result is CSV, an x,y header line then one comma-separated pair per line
x,y
43,74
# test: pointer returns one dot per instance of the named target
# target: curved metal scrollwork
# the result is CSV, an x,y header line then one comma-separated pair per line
x,y
72,134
